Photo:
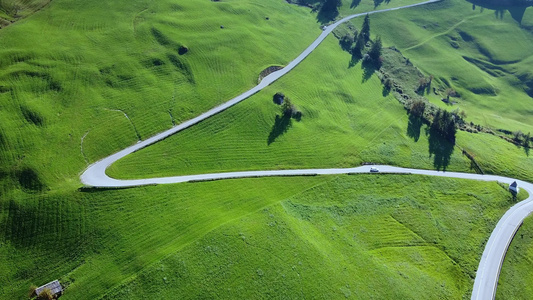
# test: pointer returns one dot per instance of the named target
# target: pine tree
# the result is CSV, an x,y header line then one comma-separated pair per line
x,y
375,50
359,45
365,30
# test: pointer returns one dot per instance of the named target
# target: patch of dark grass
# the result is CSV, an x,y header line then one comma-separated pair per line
x,y
328,11
182,67
369,69
51,83
379,2
491,69
161,39
29,180
354,60
32,116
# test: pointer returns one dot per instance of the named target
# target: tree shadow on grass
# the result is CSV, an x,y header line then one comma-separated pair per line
x,y
379,2
353,61
526,150
355,3
386,90
327,13
281,125
413,127
440,148
369,69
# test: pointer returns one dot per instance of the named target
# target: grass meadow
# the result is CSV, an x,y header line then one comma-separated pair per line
x,y
255,237
347,237
80,80
469,50
516,274
346,121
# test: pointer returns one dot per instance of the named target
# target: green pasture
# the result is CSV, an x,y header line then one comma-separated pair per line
x,y
515,277
484,55
407,232
80,80
111,58
346,121
340,239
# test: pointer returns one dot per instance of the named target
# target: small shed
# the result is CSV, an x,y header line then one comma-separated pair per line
x,y
514,187
54,287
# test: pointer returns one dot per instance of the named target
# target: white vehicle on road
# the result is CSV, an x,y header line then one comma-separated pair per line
x,y
374,170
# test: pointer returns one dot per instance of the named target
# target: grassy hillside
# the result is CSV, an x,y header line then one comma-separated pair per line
x,y
208,237
516,275
346,120
484,55
14,10
90,77
387,237
116,57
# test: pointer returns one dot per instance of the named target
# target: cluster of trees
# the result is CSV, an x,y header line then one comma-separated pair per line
x,y
424,84
417,109
288,109
444,123
361,39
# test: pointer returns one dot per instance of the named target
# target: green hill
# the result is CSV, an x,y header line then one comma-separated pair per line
x,y
80,80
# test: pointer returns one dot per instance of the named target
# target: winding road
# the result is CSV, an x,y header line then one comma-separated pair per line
x,y
491,261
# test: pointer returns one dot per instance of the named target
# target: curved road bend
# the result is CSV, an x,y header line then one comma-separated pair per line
x,y
95,174
489,267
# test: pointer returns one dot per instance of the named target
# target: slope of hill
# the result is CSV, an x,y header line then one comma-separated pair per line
x,y
91,77
14,10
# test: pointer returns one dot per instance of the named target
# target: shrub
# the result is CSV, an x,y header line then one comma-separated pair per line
x,y
517,135
417,108
31,291
375,50
527,138
346,42
45,294
289,110
451,93
387,83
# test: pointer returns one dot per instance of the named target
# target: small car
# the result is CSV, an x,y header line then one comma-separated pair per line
x,y
374,170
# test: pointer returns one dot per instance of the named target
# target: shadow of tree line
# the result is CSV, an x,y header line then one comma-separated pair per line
x,y
441,143
516,8
328,10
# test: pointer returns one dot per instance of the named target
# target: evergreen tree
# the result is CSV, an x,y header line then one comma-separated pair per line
x,y
444,124
359,45
375,50
365,30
